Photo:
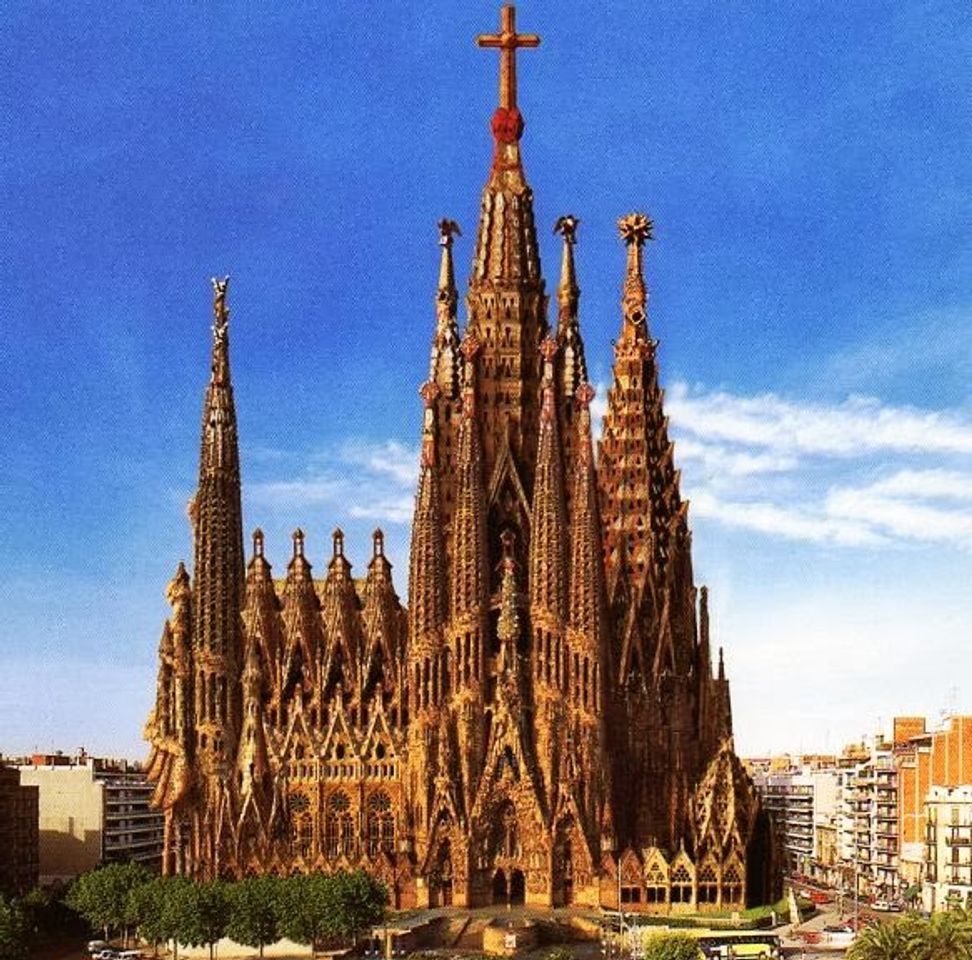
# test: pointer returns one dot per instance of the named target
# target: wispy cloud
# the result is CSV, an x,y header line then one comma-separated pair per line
x,y
373,481
857,473
848,429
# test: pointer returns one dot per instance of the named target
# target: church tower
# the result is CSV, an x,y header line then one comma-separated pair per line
x,y
540,724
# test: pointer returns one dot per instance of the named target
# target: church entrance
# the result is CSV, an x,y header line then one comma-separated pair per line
x,y
441,893
499,888
517,888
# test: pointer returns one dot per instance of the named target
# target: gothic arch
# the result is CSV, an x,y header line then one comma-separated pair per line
x,y
656,879
380,824
339,833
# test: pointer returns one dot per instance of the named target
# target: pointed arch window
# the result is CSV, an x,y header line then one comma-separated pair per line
x,y
338,827
381,824
708,884
732,886
681,884
656,884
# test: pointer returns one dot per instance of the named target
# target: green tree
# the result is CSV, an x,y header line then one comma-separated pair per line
x,y
254,910
14,930
671,946
157,905
103,896
304,903
358,903
201,913
947,936
897,940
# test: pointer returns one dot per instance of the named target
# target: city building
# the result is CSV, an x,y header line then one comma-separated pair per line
x,y
801,798
888,815
948,853
92,811
19,868
543,723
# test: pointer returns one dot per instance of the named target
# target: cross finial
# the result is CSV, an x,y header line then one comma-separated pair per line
x,y
508,41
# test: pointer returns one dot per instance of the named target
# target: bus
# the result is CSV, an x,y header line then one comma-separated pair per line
x,y
741,944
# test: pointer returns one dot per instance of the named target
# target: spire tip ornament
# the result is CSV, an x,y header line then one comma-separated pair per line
x,y
507,121
635,229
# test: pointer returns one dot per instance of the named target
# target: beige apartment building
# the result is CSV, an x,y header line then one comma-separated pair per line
x,y
92,811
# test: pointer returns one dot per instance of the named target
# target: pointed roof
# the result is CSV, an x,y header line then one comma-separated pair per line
x,y
261,615
468,580
587,590
641,504
426,573
548,548
381,616
445,360
573,362
303,637
506,246
340,609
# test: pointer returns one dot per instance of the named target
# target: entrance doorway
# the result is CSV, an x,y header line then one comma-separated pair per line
x,y
499,888
517,888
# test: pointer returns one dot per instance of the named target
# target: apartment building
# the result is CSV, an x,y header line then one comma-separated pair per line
x,y
948,848
92,811
19,868
801,800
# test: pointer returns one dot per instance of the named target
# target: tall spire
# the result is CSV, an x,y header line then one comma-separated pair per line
x,y
547,557
426,580
507,121
635,229
573,365
587,591
506,301
444,362
218,569
641,503
469,577
507,245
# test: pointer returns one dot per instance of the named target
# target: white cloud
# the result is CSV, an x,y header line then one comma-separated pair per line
x,y
788,522
373,481
931,484
391,458
848,429
720,460
791,470
900,517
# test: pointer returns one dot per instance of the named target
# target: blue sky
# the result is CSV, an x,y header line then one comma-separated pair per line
x,y
807,169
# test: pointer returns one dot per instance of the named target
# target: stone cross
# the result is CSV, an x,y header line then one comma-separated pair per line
x,y
508,41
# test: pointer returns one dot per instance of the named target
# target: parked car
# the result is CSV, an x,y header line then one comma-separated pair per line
x,y
96,946
821,896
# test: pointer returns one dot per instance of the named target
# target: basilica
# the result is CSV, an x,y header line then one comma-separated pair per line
x,y
542,721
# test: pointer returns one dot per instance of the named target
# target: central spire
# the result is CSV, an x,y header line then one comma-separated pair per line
x,y
507,123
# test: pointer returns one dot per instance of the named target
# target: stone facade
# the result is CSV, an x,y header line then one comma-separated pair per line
x,y
541,724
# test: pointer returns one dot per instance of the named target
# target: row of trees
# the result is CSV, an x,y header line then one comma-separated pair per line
x,y
946,936
315,909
